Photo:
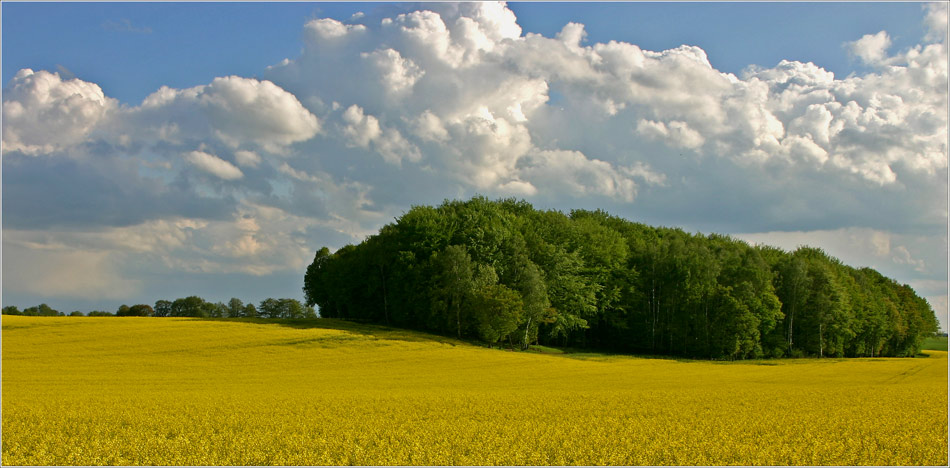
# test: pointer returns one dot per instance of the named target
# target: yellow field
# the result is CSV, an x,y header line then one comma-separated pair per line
x,y
129,391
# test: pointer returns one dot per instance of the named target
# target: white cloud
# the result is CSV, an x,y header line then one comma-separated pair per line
x,y
247,158
234,110
327,29
871,48
570,172
643,172
360,129
43,113
936,21
428,126
213,165
363,130
396,73
676,134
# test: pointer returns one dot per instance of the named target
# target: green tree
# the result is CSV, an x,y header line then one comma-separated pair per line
x,y
141,310
453,286
269,308
235,308
315,280
191,306
497,311
163,308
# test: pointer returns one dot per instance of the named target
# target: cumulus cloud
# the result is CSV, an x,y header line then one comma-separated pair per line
x,y
378,113
43,113
396,73
871,48
571,172
236,111
936,21
213,165
247,158
363,130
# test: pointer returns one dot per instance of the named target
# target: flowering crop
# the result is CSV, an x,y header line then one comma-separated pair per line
x,y
163,391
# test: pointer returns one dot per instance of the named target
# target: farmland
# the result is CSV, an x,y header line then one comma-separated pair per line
x,y
180,391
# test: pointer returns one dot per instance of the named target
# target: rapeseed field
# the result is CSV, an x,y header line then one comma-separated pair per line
x,y
166,391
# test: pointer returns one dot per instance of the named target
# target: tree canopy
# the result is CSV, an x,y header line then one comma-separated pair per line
x,y
502,271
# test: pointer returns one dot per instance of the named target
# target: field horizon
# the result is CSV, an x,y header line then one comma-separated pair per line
x,y
183,391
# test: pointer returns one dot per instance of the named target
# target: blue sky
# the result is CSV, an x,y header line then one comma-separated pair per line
x,y
158,150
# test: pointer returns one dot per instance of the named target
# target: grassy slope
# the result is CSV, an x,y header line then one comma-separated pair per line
x,y
80,390
938,343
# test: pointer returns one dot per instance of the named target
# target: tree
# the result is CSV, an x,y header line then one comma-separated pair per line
x,y
480,267
141,310
497,311
76,313
314,283
452,285
41,310
11,310
235,308
163,308
191,306
269,308
217,310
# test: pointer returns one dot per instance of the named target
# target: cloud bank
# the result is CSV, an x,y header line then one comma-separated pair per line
x,y
378,113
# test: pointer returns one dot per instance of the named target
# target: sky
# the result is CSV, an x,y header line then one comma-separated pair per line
x,y
160,150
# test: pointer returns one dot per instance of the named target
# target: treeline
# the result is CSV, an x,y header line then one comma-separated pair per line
x,y
191,306
504,272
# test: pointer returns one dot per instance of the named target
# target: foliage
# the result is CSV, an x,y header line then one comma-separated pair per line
x,y
41,310
589,279
246,392
191,306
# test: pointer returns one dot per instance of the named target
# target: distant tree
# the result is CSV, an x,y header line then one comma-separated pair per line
x,y
141,310
269,308
249,310
163,308
218,310
12,310
123,311
76,313
290,308
210,309
41,310
235,308
100,313
191,306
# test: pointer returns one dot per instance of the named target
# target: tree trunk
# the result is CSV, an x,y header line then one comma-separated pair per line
x,y
527,327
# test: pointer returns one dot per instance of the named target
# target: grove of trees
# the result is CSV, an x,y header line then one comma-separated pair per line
x,y
504,272
191,306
